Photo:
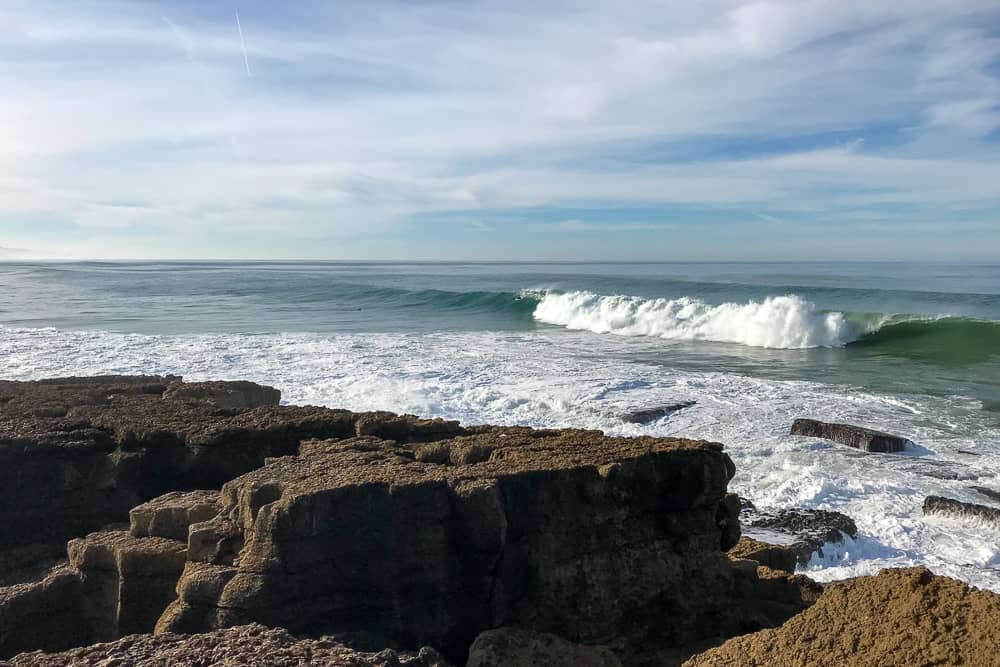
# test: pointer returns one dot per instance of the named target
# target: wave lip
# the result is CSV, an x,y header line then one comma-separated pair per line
x,y
780,322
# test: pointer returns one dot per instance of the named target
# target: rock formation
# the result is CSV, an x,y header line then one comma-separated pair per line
x,y
898,618
599,540
962,510
244,645
858,437
798,532
505,647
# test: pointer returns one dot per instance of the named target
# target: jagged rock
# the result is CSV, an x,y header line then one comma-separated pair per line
x,y
962,510
647,415
171,514
513,647
245,645
45,613
799,531
599,540
774,556
127,581
858,437
240,395
29,562
898,618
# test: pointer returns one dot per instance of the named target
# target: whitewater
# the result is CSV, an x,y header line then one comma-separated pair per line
x,y
576,347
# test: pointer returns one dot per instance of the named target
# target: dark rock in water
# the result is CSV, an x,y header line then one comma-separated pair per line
x,y
801,532
959,509
989,493
858,437
512,647
246,645
648,415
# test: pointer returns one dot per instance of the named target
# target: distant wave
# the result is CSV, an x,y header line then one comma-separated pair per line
x,y
784,322
780,322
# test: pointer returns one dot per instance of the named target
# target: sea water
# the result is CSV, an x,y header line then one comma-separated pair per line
x,y
910,349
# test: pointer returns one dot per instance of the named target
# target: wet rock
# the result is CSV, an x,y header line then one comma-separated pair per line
x,y
961,510
799,531
774,556
246,645
647,415
512,647
857,437
992,494
898,618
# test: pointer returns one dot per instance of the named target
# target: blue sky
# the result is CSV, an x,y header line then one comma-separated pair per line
x,y
648,130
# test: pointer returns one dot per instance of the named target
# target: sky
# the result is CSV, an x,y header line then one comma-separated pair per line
x,y
451,130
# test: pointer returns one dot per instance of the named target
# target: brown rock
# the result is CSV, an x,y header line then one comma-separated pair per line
x,y
898,618
774,556
171,514
512,647
44,613
858,437
246,645
240,395
961,510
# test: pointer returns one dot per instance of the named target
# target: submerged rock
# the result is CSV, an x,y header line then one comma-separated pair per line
x,y
647,415
857,437
992,494
898,618
245,645
961,510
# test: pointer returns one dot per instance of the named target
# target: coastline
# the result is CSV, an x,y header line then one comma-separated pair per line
x,y
374,527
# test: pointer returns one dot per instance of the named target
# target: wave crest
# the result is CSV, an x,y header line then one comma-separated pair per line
x,y
784,322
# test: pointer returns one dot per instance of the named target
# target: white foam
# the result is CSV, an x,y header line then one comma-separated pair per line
x,y
777,322
559,378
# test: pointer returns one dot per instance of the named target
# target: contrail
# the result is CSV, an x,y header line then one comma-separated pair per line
x,y
246,61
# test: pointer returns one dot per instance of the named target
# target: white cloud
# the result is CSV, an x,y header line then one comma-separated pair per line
x,y
361,114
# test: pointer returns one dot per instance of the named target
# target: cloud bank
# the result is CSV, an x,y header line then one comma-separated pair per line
x,y
715,129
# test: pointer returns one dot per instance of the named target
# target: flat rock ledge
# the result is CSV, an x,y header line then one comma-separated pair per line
x,y
858,437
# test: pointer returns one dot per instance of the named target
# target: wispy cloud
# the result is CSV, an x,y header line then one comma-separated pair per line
x,y
360,116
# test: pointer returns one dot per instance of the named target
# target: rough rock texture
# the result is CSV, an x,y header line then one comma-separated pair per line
x,y
599,540
511,647
127,582
647,415
774,556
79,453
959,509
858,437
233,647
798,531
171,514
43,613
898,618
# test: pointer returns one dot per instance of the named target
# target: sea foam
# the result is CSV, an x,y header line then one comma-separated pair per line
x,y
786,322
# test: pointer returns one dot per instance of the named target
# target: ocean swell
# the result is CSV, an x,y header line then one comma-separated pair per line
x,y
783,322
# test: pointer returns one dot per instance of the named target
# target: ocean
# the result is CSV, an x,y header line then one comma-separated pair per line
x,y
913,349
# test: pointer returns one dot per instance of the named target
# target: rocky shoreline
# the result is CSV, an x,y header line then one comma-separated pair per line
x,y
151,521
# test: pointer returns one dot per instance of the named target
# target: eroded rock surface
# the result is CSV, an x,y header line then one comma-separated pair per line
x,y
774,556
599,540
898,618
858,437
79,453
246,645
